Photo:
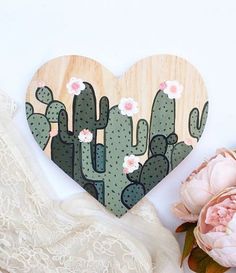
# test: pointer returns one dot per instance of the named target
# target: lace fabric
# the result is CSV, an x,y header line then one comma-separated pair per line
x,y
39,234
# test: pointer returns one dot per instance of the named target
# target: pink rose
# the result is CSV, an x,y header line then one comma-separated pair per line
x,y
216,229
205,182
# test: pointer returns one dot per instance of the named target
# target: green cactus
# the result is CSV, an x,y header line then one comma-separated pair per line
x,y
179,153
62,155
153,171
162,120
40,124
84,117
197,125
91,188
45,95
118,140
131,194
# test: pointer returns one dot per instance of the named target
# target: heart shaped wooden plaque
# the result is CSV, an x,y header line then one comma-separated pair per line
x,y
117,137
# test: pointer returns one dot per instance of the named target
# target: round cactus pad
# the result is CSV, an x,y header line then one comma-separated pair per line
x,y
117,137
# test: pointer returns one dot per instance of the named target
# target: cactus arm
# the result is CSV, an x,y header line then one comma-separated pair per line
x,y
53,109
63,131
142,137
104,113
87,165
44,95
29,109
196,126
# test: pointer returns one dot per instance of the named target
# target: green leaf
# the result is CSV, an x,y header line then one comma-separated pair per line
x,y
189,242
185,227
214,267
200,262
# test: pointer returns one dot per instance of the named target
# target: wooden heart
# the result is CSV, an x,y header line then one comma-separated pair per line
x,y
117,137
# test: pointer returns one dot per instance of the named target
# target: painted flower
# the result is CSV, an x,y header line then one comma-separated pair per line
x,y
85,136
216,229
75,86
172,88
128,106
131,163
204,183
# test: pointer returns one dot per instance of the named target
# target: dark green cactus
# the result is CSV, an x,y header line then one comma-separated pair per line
x,y
84,117
179,153
131,194
118,140
40,124
62,155
159,143
90,188
197,124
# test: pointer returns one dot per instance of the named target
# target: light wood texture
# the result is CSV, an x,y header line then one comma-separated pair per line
x,y
140,82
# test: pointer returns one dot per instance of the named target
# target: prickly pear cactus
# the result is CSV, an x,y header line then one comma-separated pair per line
x,y
179,153
40,123
131,194
39,126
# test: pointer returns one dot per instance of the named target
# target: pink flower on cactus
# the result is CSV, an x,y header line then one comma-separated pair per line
x,y
75,86
204,183
216,229
128,106
131,163
172,88
85,136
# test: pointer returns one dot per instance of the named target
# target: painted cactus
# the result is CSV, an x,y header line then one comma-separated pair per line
x,y
179,153
156,167
162,116
40,124
118,142
84,117
197,124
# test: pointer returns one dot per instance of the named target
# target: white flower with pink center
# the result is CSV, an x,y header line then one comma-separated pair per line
x,y
85,136
172,88
75,86
128,107
131,163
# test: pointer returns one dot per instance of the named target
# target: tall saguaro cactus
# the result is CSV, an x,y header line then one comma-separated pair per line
x,y
84,117
163,115
118,142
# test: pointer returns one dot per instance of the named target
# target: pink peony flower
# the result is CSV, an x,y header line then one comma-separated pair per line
x,y
131,163
75,86
204,183
173,89
85,136
128,106
216,229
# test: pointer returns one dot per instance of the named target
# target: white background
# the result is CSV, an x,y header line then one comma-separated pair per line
x,y
117,34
